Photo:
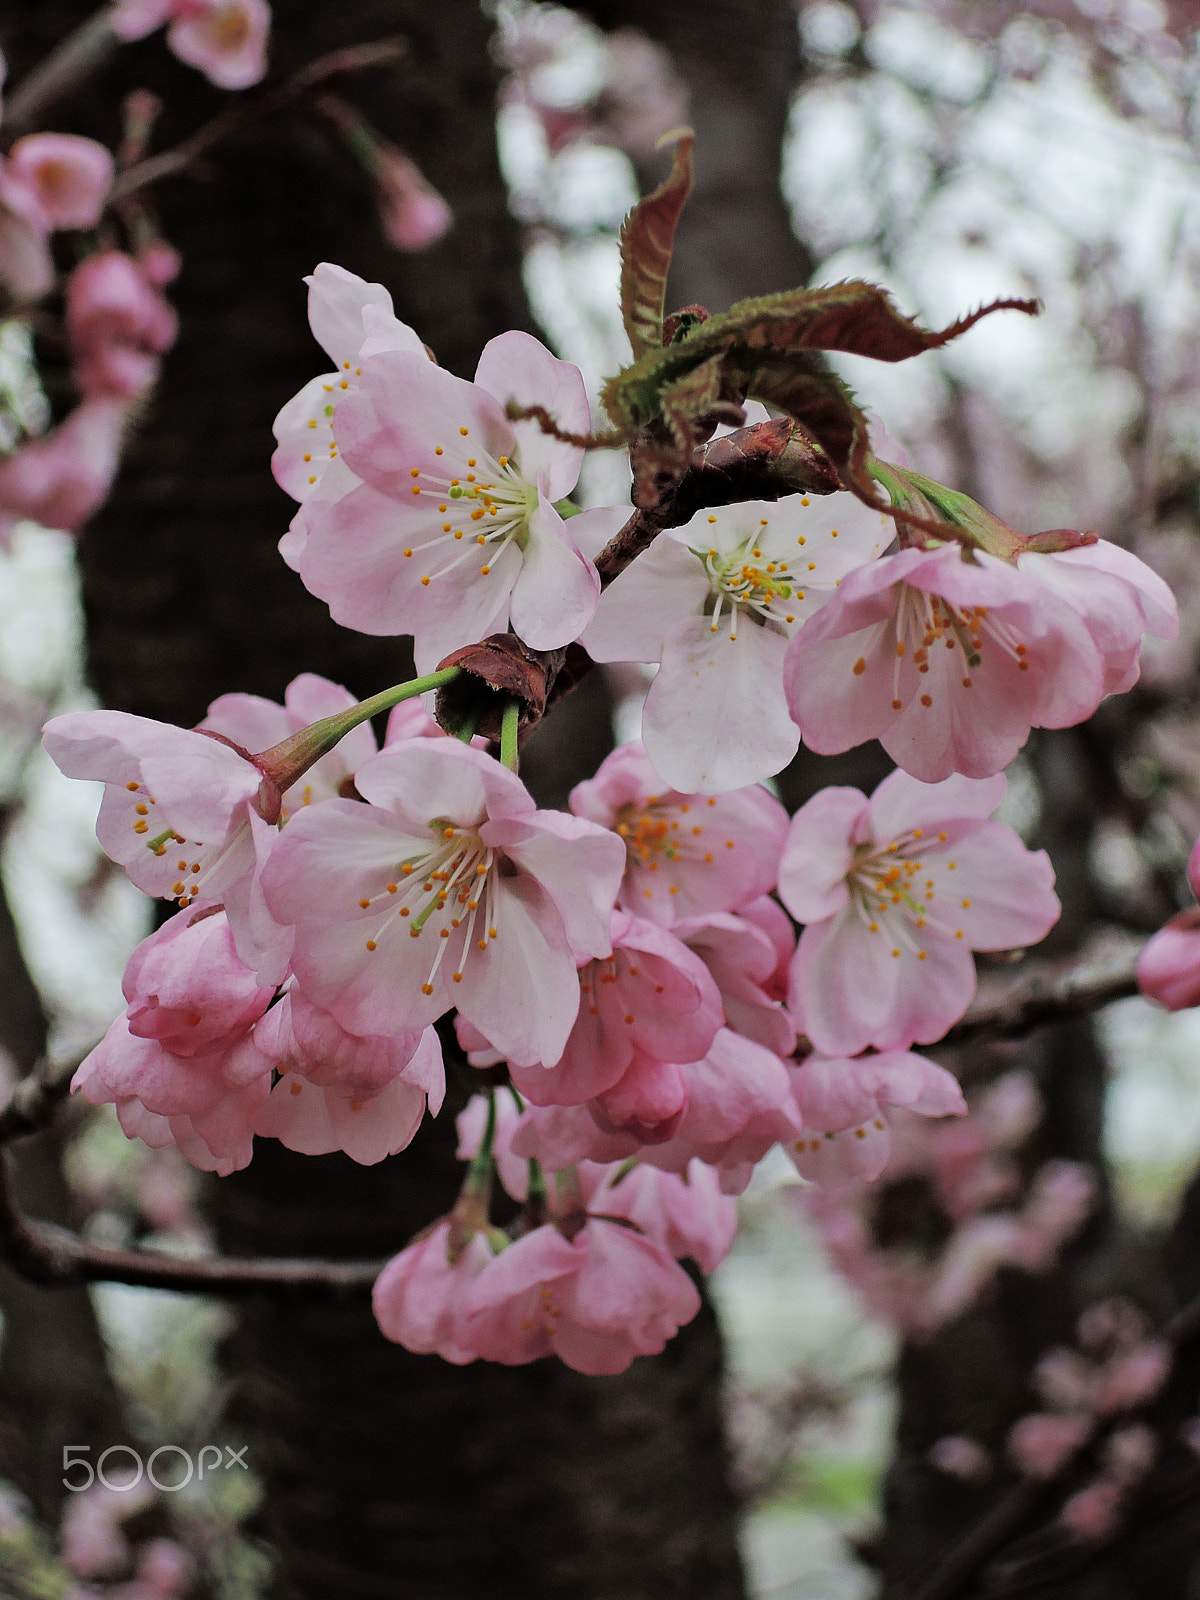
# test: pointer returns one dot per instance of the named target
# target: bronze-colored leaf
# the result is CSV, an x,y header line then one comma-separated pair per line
x,y
647,237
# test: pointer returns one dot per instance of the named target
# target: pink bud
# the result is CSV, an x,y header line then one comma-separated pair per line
x,y
1039,1444
1168,969
1130,1452
1132,1377
414,215
961,1458
1092,1513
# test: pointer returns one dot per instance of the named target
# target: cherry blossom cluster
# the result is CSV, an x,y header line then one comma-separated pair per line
x,y
976,1212
666,980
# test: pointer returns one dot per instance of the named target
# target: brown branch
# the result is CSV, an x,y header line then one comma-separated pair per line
x,y
36,1098
1044,994
763,462
355,58
48,1254
69,64
52,1256
964,1559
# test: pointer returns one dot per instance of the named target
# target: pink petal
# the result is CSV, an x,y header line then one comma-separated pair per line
x,y
715,717
516,366
819,853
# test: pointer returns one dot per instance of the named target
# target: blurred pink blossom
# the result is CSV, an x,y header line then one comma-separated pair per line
x,y
60,479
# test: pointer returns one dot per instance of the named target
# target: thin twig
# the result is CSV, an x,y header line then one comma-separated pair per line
x,y
36,1098
356,58
51,1255
992,1531
69,64
1049,994
762,462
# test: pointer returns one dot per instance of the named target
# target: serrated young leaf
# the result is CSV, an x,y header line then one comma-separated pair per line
x,y
647,236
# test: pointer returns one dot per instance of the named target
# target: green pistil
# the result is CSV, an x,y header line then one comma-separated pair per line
x,y
161,839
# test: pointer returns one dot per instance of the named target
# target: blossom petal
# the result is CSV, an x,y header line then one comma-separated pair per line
x,y
716,718
516,366
819,852
402,410
555,592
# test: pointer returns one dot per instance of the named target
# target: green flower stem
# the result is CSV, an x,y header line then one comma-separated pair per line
x,y
479,1173
508,734
291,758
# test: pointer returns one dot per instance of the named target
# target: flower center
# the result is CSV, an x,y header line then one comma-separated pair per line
x,y
486,508
444,893
895,890
748,579
924,622
658,833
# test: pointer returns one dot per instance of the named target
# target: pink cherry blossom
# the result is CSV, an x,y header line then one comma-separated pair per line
x,y
715,603
205,1102
340,1091
1041,1442
413,213
177,803
565,1136
119,324
1168,968
596,1301
961,1457
224,39
687,854
447,889
186,987
1119,598
57,180
686,1213
181,1065
1094,1513
59,480
452,534
739,1104
895,893
947,661
650,1000
344,312
418,1296
842,1103
745,962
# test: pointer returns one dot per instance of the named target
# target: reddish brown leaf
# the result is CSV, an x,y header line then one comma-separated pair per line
x,y
646,240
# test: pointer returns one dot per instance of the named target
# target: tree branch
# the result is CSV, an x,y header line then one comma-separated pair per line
x,y
355,58
1044,994
53,1256
69,64
763,462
